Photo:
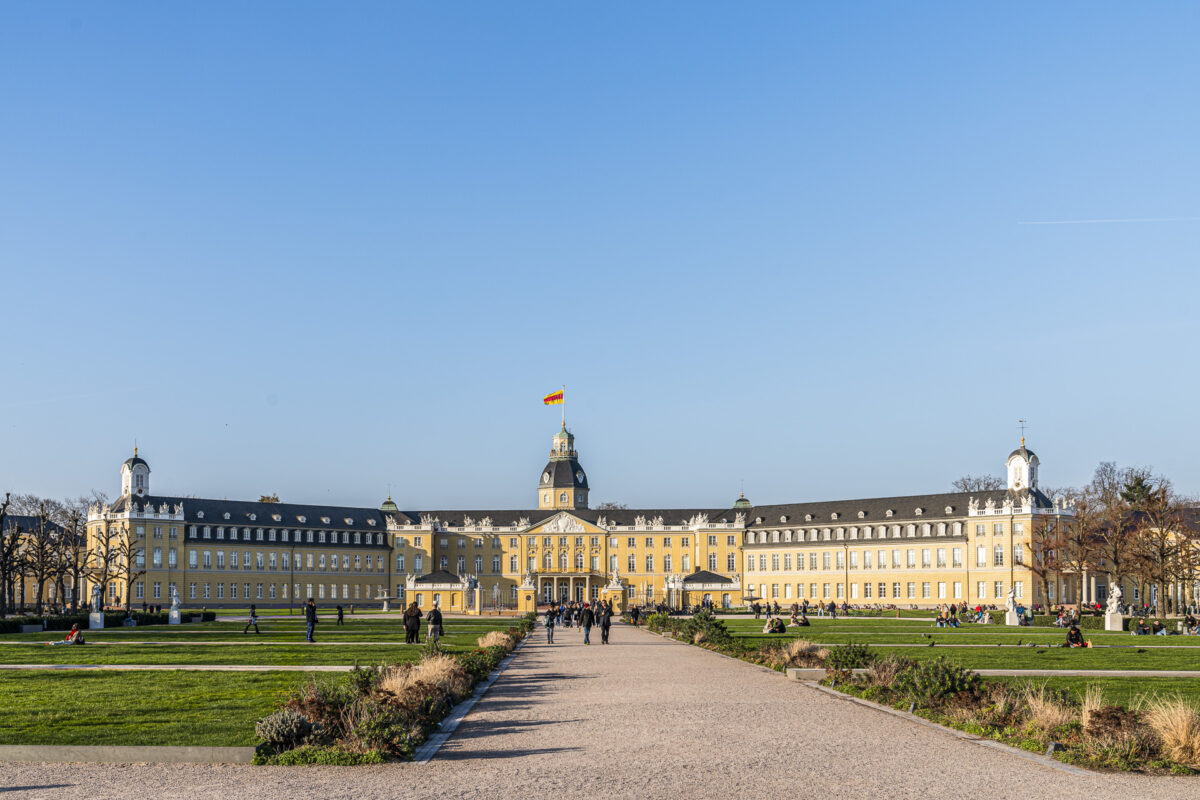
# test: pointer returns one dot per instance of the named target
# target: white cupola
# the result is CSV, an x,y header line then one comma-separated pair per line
x,y
135,476
1022,467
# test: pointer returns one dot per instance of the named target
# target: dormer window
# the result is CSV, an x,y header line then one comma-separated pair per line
x,y
226,515
889,513
276,517
302,520
324,520
783,518
253,517
808,517
371,522
861,514
949,509
349,521
919,511
199,515
834,515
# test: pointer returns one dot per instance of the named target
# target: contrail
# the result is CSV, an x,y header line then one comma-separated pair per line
x,y
1101,221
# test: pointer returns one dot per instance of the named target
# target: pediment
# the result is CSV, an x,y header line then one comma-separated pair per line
x,y
565,523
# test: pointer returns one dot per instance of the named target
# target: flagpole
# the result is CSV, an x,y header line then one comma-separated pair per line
x,y
564,406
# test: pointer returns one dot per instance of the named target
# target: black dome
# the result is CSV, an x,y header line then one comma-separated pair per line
x,y
563,474
133,462
1021,451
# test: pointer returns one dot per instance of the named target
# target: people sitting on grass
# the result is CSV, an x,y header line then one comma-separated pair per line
x,y
1158,628
1075,637
802,621
74,636
774,625
1141,629
1191,627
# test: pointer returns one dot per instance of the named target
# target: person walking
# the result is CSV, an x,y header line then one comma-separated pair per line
x,y
550,614
586,619
634,613
310,619
252,621
434,631
605,622
341,620
412,624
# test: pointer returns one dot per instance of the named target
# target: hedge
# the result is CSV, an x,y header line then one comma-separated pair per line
x,y
112,619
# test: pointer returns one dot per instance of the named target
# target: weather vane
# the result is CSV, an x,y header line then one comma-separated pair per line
x,y
1023,424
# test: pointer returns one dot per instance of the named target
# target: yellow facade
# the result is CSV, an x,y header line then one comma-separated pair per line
x,y
908,551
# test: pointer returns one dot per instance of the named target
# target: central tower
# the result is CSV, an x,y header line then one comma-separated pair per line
x,y
563,483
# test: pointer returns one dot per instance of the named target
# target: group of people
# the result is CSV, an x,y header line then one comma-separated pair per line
x,y
584,616
799,619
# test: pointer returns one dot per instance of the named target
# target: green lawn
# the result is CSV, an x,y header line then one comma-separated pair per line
x,y
185,707
138,708
1118,691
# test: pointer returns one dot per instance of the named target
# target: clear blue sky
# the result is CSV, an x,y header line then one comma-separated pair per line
x,y
319,249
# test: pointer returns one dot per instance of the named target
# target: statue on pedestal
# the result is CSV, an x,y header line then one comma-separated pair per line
x,y
174,599
1114,599
1010,601
97,603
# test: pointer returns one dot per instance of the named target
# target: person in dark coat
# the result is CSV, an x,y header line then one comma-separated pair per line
x,y
586,619
252,621
634,613
412,624
550,615
605,622
434,631
341,620
310,619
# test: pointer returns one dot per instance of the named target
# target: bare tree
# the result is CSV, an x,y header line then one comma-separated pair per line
x,y
269,498
1157,522
1077,552
10,553
1109,525
102,555
609,506
71,561
978,483
1045,546
41,548
129,564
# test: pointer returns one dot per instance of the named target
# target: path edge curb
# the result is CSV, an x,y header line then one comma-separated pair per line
x,y
446,727
124,754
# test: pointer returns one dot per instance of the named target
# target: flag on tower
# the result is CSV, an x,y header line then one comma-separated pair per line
x,y
554,398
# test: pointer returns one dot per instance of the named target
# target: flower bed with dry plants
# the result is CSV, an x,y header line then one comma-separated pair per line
x,y
1153,734
382,713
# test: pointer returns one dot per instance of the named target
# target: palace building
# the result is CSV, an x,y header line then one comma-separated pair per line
x,y
921,550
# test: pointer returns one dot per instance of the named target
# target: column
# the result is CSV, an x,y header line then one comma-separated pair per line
x,y
587,589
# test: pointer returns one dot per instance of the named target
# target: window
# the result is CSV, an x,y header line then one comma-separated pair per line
x,y
192,558
997,528
911,559
496,564
866,591
925,557
220,590
562,498
841,590
221,559
895,559
478,565
825,560
562,561
925,590
774,562
730,562
1020,588
191,591
825,590
956,557
980,590
853,559
418,563
667,562
1018,553
650,563
171,562
762,562
812,560
284,561
321,561
712,562
207,591
512,564
649,541
271,587
578,559
632,565
981,556
998,556
942,590
787,562
941,557
896,591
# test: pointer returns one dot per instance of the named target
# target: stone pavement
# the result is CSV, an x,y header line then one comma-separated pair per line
x,y
644,717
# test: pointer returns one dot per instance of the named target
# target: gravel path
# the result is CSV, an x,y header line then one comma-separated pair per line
x,y
644,717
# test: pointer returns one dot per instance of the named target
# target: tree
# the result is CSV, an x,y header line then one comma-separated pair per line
x,y
10,551
71,560
268,498
1157,524
1108,524
129,564
978,483
102,555
1045,546
1077,552
612,507
41,548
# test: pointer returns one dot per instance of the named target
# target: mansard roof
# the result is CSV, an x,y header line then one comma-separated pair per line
x,y
875,509
704,576
28,523
440,576
261,515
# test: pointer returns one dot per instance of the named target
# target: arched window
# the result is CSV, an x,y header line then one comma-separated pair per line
x,y
562,498
547,562
562,561
578,559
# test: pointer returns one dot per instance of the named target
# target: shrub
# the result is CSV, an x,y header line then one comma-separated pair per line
x,y
1176,723
478,663
496,639
1117,737
309,754
932,682
285,729
849,656
884,671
